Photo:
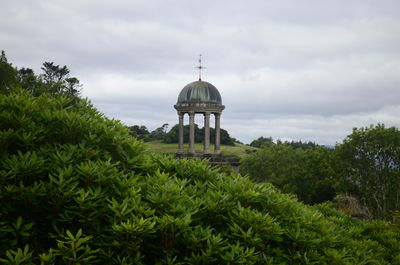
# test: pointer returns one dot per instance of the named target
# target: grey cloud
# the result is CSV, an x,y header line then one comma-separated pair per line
x,y
326,65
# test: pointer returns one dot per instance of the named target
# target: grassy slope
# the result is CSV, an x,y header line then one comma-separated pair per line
x,y
163,148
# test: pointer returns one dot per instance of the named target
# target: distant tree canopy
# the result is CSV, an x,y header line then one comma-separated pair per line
x,y
262,141
306,173
297,144
161,134
55,79
268,141
172,135
140,132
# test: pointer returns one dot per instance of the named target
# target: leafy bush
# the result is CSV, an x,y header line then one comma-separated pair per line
x,y
75,188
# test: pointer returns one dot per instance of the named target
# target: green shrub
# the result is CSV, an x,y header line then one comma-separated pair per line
x,y
75,188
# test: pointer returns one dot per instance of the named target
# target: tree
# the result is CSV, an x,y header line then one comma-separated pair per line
x,y
29,81
267,141
173,134
55,80
72,86
140,132
160,132
225,137
58,81
8,74
262,141
370,160
298,144
307,173
54,73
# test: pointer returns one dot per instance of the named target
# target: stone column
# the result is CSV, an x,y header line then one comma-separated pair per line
x,y
206,149
180,139
191,133
217,132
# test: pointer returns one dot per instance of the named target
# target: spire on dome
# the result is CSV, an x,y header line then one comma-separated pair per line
x,y
200,67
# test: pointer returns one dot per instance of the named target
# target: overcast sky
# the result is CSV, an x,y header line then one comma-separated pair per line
x,y
307,70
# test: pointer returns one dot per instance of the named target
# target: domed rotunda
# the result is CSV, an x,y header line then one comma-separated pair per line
x,y
199,97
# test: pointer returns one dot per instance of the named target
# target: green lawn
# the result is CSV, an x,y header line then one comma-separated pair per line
x,y
237,150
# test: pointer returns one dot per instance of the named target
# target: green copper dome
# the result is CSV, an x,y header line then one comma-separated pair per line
x,y
199,92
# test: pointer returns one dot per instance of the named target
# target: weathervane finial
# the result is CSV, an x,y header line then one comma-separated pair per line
x,y
200,67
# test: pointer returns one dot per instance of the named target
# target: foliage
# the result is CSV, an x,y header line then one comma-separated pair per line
x,y
370,160
298,144
268,141
366,166
55,79
262,141
140,132
306,173
61,164
8,74
75,188
159,133
173,134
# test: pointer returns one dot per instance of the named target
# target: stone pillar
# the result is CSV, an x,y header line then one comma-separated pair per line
x,y
206,149
191,133
180,139
217,132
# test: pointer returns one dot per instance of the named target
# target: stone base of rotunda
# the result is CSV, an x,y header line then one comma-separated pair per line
x,y
197,155
214,159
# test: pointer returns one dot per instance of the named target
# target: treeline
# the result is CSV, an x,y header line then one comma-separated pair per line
x,y
55,79
366,165
171,136
268,141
